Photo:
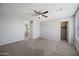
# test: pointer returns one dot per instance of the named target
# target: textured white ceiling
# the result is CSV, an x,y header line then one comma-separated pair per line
x,y
25,10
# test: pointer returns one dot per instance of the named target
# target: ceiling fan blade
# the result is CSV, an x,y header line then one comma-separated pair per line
x,y
44,15
35,11
45,12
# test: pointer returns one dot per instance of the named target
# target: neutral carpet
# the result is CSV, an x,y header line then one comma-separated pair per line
x,y
38,47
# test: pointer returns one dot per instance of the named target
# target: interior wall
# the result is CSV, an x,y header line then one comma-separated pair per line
x,y
36,29
52,29
77,30
11,29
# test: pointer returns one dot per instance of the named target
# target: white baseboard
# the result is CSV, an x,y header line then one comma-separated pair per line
x,y
11,42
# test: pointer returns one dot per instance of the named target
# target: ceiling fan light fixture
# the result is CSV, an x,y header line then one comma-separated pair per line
x,y
39,16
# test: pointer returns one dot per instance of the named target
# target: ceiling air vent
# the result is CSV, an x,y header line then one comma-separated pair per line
x,y
60,9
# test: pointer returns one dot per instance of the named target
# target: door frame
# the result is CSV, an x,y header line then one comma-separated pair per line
x,y
67,30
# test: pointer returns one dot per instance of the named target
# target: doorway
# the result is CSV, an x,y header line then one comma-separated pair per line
x,y
64,31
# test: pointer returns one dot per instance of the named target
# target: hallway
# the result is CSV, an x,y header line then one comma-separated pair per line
x,y
38,47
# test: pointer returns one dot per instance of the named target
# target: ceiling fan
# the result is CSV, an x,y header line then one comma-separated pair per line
x,y
40,14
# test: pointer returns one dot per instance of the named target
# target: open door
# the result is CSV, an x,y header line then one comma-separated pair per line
x,y
64,31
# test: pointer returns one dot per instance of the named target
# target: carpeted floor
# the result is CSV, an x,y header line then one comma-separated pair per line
x,y
38,47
